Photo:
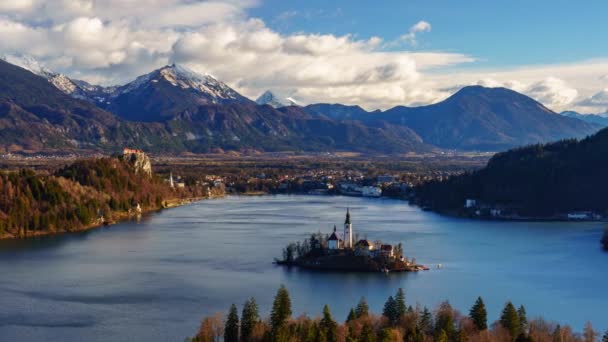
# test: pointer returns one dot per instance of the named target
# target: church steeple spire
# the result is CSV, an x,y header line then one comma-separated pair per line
x,y
347,221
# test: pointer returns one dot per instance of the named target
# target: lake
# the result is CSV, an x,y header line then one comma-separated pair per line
x,y
155,279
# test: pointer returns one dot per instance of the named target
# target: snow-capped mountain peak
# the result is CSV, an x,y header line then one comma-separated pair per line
x,y
29,63
269,98
184,78
75,88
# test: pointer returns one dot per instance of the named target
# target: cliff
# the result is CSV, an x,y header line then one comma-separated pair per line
x,y
139,161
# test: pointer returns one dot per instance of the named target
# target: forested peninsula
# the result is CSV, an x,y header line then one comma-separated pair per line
x,y
560,180
85,194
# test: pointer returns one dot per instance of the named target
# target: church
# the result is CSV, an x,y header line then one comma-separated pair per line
x,y
334,241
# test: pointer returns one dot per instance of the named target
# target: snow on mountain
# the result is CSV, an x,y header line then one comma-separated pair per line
x,y
275,101
184,78
75,88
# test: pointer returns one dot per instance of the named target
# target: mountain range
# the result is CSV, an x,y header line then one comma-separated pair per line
x,y
599,119
173,109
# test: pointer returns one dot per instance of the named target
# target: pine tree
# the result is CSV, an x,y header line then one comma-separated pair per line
x,y
523,320
605,337
231,331
352,315
249,319
426,321
509,319
390,310
328,325
400,307
362,308
479,315
281,309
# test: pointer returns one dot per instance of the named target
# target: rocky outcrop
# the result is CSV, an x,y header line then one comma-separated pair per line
x,y
139,161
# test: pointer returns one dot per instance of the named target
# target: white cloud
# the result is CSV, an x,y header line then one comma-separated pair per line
x,y
16,5
597,102
410,37
113,41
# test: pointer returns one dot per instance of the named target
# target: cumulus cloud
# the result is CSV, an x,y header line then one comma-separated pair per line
x,y
113,41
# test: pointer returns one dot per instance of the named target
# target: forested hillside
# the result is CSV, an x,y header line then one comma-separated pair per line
x,y
567,175
86,193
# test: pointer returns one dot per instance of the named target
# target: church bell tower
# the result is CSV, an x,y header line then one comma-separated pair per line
x,y
348,231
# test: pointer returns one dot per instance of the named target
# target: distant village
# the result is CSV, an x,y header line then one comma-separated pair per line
x,y
476,208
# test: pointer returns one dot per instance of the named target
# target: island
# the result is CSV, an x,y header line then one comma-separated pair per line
x,y
341,253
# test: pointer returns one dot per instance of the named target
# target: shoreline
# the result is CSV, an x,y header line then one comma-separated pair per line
x,y
439,212
117,218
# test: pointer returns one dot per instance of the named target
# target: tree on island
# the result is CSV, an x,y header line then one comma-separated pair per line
x,y
479,315
249,318
231,331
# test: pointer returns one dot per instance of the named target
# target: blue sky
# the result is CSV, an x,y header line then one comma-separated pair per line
x,y
498,32
374,54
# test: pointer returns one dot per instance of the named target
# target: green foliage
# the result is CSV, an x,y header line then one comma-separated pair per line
x,y
400,307
249,318
509,319
415,326
328,325
538,180
231,330
523,320
362,308
444,320
351,315
281,309
426,321
479,315
390,310
77,196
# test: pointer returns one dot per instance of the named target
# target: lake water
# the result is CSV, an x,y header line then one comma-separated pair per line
x,y
154,279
